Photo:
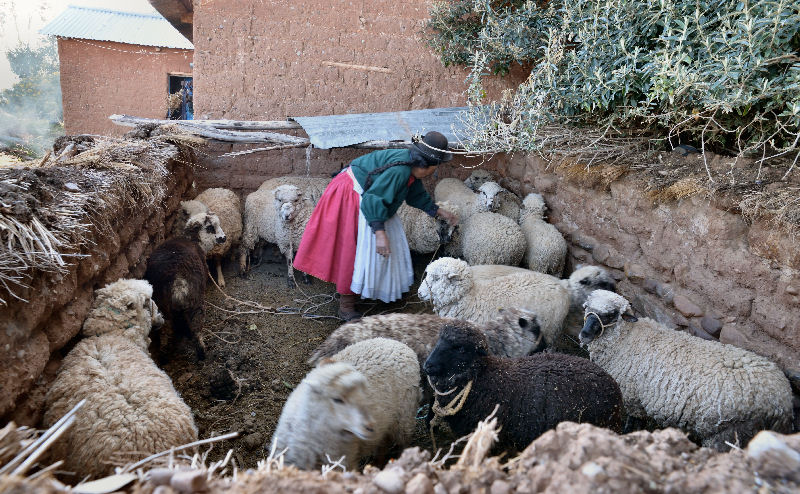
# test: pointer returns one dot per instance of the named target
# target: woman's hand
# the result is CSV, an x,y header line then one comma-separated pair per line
x,y
382,243
450,218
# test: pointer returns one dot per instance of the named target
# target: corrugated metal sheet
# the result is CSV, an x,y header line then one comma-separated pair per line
x,y
333,131
111,25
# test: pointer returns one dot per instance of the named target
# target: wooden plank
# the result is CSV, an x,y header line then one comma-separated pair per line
x,y
131,121
366,68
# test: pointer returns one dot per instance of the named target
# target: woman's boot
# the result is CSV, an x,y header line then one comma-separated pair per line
x,y
347,307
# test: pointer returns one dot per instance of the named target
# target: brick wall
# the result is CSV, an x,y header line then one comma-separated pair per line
x,y
100,78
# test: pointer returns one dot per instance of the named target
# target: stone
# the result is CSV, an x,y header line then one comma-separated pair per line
x,y
500,487
774,457
666,292
419,484
634,272
694,330
686,306
390,480
711,325
72,187
600,253
650,285
583,241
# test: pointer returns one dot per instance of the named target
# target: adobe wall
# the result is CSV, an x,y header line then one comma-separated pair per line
x,y
100,78
36,332
688,264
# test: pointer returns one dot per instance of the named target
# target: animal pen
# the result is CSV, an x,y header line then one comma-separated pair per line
x,y
93,209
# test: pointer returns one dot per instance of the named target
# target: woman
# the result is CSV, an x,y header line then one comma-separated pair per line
x,y
354,239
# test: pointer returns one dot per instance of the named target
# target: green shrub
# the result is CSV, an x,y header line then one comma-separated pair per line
x,y
724,73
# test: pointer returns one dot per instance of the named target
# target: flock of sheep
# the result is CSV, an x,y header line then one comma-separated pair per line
x,y
488,348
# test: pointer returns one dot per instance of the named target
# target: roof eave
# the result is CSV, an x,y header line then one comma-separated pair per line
x,y
179,13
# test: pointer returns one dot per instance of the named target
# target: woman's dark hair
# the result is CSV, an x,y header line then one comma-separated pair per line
x,y
429,152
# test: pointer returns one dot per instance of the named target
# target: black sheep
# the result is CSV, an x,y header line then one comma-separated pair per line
x,y
178,271
535,392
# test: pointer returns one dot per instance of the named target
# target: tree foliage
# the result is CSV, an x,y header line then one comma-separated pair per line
x,y
720,73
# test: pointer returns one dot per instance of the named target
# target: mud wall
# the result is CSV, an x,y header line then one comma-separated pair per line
x,y
689,264
100,78
36,334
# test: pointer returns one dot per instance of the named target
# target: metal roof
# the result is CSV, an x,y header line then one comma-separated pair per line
x,y
333,131
121,27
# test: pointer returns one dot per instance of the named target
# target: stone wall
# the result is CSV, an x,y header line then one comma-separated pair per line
x,y
100,78
37,332
688,264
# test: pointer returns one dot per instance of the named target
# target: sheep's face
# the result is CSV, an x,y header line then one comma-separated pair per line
x,y
534,205
287,199
205,229
490,196
525,324
452,361
125,307
587,279
602,311
478,178
446,282
341,397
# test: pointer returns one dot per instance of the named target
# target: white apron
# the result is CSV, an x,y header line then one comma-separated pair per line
x,y
375,276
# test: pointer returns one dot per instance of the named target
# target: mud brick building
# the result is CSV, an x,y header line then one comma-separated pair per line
x,y
116,62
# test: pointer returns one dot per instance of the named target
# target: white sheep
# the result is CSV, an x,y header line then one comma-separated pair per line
x,y
500,200
463,201
424,233
186,211
512,333
131,405
715,391
293,212
393,390
477,178
363,398
490,238
260,215
474,293
226,205
546,248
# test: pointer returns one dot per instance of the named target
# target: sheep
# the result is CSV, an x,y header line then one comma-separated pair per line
x,y
424,233
717,392
477,178
533,393
131,405
260,215
186,211
474,293
226,205
513,333
177,270
499,200
546,248
583,281
362,398
491,238
294,212
464,202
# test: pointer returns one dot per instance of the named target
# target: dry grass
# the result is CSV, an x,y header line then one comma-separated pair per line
x,y
780,206
599,175
683,188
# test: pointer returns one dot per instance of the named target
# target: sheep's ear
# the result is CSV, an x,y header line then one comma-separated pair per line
x,y
628,316
325,361
453,276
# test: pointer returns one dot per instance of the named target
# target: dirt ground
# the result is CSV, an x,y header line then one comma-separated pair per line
x,y
255,357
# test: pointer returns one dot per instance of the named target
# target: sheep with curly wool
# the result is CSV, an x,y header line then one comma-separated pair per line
x,y
512,333
131,405
718,393
583,281
425,234
533,393
477,178
490,238
177,270
500,200
261,217
546,248
356,404
474,293
226,205
293,211
463,201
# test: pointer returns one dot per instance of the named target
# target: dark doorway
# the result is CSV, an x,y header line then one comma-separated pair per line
x,y
179,98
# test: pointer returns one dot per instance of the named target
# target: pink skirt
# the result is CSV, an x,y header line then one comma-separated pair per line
x,y
328,248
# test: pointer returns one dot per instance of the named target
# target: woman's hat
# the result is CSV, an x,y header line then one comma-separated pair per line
x,y
434,147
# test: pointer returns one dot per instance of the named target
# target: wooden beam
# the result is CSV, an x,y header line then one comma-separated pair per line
x,y
131,121
366,68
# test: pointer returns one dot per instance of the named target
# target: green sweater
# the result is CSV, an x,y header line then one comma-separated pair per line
x,y
389,188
